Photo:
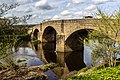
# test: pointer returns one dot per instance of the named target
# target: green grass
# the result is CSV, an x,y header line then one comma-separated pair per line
x,y
108,73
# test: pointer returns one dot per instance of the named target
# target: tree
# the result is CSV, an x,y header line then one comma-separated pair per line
x,y
9,35
107,34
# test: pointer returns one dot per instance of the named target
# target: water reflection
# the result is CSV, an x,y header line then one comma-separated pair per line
x,y
36,47
30,58
50,56
74,60
27,56
49,52
87,55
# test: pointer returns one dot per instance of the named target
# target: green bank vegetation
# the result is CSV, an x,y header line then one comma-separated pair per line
x,y
97,73
107,34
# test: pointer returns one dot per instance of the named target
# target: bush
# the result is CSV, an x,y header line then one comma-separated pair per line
x,y
108,73
85,69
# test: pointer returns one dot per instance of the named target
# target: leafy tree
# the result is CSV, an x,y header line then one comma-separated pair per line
x,y
10,34
107,34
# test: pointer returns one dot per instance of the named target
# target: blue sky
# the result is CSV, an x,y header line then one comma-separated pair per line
x,y
60,9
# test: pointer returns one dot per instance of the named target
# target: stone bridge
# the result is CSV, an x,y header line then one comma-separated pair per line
x,y
68,38
66,34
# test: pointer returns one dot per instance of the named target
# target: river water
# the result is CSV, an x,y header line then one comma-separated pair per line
x,y
29,58
45,53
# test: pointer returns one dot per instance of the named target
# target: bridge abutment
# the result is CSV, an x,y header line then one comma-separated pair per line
x,y
40,36
60,43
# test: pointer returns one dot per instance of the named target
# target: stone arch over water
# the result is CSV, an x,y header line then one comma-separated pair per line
x,y
49,34
75,41
74,48
49,44
35,34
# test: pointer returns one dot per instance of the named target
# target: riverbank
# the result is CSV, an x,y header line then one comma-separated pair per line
x,y
27,73
94,73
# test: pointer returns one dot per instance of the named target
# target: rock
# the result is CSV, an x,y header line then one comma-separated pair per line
x,y
27,73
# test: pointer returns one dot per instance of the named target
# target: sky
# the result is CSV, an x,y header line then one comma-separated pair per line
x,y
44,10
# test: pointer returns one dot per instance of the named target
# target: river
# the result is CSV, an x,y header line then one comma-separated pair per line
x,y
45,53
29,58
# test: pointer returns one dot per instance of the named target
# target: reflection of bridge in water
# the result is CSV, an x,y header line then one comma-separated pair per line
x,y
64,40
68,61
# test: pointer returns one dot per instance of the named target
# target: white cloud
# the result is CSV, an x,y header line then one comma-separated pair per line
x,y
23,9
7,15
58,9
91,7
79,13
68,4
6,1
65,12
56,17
83,13
34,16
78,1
100,1
24,1
43,4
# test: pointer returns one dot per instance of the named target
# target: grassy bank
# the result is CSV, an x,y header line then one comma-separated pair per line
x,y
97,73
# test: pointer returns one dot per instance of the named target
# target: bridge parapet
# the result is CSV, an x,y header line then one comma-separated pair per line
x,y
82,22
55,22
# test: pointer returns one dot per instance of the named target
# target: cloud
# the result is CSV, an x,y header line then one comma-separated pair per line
x,y
58,9
6,1
79,13
7,15
23,9
68,4
17,1
65,12
78,1
24,1
34,16
43,4
91,7
56,17
100,1
87,11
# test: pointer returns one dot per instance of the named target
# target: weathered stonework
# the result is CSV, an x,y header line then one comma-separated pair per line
x,y
63,28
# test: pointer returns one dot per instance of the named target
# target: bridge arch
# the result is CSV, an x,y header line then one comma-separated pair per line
x,y
74,48
49,34
74,42
35,34
49,40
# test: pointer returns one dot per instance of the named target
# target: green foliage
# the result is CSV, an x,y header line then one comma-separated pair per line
x,y
107,35
48,66
108,73
10,36
85,69
21,60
